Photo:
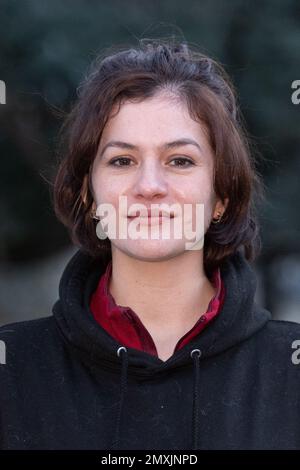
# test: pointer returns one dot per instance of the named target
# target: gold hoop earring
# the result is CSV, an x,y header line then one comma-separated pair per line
x,y
218,219
93,213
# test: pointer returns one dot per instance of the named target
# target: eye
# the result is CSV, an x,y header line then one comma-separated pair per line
x,y
122,160
184,162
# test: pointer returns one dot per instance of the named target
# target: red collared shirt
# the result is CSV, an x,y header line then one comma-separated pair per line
x,y
124,325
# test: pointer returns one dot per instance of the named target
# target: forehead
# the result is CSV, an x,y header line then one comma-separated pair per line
x,y
159,115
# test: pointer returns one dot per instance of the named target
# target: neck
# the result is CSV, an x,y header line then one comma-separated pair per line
x,y
168,296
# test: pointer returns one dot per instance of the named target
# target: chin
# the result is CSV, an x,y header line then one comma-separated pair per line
x,y
151,250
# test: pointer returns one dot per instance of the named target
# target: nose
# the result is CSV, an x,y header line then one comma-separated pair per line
x,y
150,181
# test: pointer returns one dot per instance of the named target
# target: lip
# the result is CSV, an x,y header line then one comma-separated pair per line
x,y
153,220
152,215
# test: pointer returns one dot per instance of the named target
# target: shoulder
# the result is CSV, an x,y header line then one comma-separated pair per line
x,y
284,334
281,331
277,346
25,330
26,341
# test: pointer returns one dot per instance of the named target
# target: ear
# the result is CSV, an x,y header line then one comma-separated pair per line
x,y
220,208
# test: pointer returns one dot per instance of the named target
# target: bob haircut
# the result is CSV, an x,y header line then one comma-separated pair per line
x,y
136,74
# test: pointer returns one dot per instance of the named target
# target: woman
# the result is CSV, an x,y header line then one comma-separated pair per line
x,y
155,343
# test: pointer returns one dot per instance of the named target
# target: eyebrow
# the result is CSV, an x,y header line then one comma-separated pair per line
x,y
169,145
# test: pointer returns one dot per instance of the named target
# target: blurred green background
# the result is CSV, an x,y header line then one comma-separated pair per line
x,y
45,49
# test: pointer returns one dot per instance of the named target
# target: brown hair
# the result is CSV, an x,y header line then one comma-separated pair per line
x,y
138,73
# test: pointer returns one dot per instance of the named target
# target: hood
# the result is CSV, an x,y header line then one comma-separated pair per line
x,y
239,318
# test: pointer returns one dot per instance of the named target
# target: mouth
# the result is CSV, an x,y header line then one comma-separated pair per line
x,y
152,215
150,220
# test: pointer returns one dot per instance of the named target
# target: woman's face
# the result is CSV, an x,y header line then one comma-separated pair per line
x,y
143,168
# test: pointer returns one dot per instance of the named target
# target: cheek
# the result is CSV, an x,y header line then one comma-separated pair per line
x,y
105,190
203,193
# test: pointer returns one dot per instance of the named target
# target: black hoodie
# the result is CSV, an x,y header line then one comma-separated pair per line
x,y
67,384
